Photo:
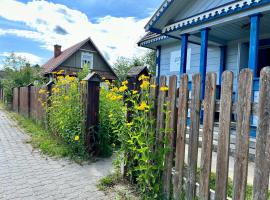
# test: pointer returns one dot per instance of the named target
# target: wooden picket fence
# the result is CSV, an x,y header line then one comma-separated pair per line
x,y
27,101
179,103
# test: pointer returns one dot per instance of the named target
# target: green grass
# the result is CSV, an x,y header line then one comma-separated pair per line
x,y
42,139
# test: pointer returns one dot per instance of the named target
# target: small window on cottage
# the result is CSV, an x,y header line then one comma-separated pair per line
x,y
87,59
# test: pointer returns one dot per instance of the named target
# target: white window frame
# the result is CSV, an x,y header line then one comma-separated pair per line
x,y
87,57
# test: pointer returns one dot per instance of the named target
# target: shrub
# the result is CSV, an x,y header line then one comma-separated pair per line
x,y
65,115
137,136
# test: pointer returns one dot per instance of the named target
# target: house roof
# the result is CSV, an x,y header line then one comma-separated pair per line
x,y
136,70
53,63
148,36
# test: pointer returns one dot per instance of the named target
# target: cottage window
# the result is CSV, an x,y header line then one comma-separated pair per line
x,y
87,59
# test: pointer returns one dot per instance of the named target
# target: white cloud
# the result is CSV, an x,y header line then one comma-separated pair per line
x,y
31,58
115,36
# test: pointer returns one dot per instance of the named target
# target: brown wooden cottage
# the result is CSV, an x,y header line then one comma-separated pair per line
x,y
74,58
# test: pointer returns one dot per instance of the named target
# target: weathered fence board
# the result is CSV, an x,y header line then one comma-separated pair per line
x,y
160,113
152,98
193,135
181,137
242,134
207,136
224,136
24,101
170,134
262,162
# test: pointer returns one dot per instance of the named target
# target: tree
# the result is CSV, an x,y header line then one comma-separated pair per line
x,y
18,72
123,65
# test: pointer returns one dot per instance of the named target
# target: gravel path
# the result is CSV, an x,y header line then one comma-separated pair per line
x,y
27,174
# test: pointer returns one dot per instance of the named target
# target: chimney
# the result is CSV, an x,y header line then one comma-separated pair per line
x,y
57,50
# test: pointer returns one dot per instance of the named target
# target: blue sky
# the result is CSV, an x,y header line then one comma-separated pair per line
x,y
31,28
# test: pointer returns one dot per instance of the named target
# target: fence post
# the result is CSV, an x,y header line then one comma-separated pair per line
x,y
207,135
262,162
29,98
170,127
193,136
242,134
181,137
91,109
224,135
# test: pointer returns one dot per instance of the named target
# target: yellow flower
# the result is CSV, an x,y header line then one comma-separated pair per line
x,y
143,106
60,72
66,98
114,89
70,78
54,73
42,91
107,82
115,97
130,124
55,90
143,77
145,85
134,92
76,138
153,86
123,88
164,88
125,82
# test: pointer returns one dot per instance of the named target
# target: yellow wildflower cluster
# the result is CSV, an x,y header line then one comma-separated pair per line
x,y
145,85
55,90
60,72
42,91
123,88
70,78
143,106
143,78
113,97
164,88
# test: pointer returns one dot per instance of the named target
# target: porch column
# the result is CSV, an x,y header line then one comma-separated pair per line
x,y
223,53
203,57
158,52
184,47
254,42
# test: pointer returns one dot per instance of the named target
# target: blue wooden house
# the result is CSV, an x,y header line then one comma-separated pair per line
x,y
192,36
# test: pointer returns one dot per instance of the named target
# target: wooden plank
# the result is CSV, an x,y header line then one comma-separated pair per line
x,y
242,134
194,136
153,97
207,136
262,162
181,137
160,113
224,136
170,134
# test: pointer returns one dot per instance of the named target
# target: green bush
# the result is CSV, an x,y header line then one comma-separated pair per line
x,y
65,114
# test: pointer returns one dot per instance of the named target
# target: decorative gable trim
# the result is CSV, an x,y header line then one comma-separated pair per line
x,y
215,13
157,39
166,4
